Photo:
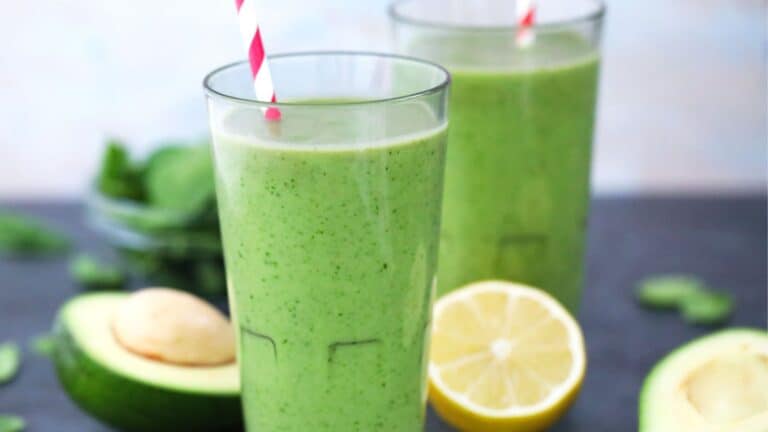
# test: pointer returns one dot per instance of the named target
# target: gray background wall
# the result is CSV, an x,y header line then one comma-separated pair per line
x,y
682,107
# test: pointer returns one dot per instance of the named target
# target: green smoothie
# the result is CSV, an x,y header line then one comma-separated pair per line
x,y
331,248
517,179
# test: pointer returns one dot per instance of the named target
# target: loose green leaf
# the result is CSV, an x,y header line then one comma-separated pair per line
x,y
164,153
25,236
707,307
11,423
93,274
10,360
176,212
181,178
118,176
210,278
667,291
43,344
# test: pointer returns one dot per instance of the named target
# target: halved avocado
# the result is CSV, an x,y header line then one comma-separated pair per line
x,y
131,392
718,383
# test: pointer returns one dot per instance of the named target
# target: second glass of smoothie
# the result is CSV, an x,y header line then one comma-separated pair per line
x,y
330,222
519,148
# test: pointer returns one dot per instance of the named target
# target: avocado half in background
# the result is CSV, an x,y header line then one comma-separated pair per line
x,y
718,383
156,385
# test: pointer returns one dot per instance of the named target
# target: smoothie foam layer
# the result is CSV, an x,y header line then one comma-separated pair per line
x,y
335,129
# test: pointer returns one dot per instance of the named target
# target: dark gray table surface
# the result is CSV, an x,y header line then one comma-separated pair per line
x,y
723,240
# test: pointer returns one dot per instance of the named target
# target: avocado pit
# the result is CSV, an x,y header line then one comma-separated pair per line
x,y
730,388
174,327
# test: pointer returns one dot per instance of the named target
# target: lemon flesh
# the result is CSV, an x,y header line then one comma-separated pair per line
x,y
504,357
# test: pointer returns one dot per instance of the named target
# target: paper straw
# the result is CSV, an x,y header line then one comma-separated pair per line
x,y
526,11
262,79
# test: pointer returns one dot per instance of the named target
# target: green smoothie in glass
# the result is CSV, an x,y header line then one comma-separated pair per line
x,y
518,166
330,221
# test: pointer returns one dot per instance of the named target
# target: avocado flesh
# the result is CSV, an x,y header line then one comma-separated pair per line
x,y
718,383
132,393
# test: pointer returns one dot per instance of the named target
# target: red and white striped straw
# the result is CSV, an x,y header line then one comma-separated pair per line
x,y
526,11
262,79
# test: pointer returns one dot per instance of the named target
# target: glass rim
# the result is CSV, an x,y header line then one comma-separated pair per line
x,y
593,15
443,84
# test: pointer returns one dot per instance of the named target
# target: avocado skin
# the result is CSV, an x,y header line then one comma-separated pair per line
x,y
132,406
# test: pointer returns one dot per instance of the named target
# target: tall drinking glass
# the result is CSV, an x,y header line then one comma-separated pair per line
x,y
330,220
517,173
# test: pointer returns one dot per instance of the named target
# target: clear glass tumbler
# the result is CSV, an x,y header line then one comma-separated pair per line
x,y
518,166
330,221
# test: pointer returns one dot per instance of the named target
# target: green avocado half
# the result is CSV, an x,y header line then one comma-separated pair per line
x,y
718,383
133,393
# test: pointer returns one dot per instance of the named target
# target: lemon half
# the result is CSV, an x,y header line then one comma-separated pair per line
x,y
504,357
